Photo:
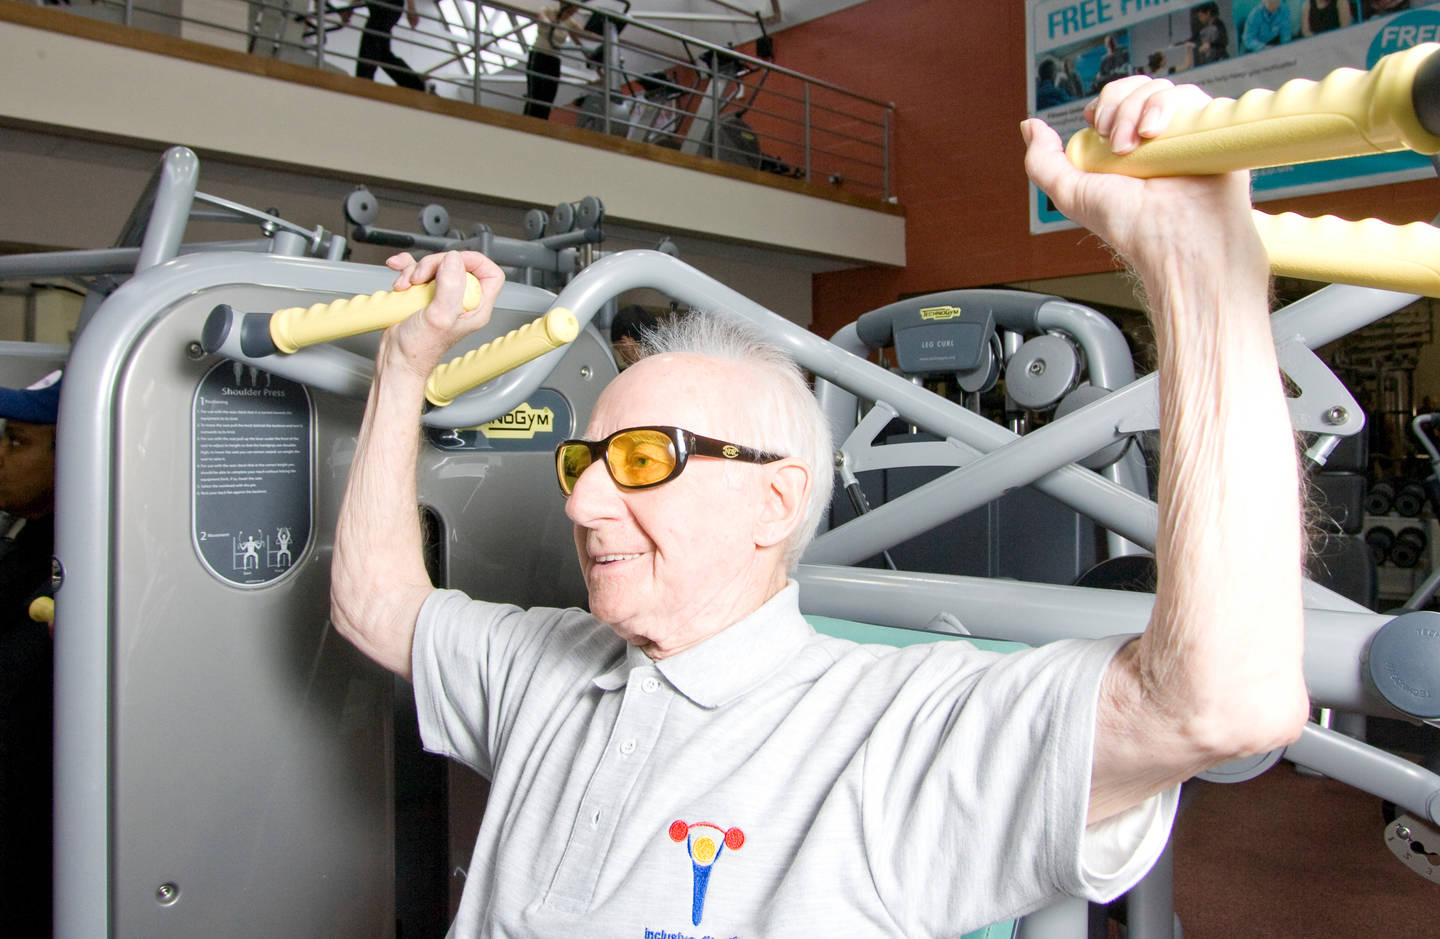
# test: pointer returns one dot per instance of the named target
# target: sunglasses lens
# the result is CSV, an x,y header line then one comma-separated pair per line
x,y
571,460
640,458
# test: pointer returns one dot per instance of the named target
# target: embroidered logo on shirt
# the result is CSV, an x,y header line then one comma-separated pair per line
x,y
704,842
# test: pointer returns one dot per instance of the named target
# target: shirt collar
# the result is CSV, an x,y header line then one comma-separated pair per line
x,y
731,662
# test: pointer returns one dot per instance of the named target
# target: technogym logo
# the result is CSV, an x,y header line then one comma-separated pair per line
x,y
522,423
940,313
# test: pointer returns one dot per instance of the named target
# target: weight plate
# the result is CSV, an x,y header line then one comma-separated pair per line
x,y
361,207
562,218
591,212
434,219
1041,371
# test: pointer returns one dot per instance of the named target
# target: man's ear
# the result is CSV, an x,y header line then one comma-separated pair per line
x,y
785,496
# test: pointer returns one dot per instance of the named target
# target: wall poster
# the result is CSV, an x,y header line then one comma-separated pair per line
x,y
1227,47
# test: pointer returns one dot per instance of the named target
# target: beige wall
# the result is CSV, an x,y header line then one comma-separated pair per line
x,y
13,308
45,315
63,193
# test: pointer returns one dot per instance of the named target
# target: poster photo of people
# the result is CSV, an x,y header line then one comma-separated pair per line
x,y
1076,47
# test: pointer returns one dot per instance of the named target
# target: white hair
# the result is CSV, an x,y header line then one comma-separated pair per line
x,y
783,416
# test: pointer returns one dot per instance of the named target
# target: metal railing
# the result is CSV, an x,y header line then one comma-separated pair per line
x,y
609,73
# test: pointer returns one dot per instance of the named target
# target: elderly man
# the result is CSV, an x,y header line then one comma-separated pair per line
x,y
689,758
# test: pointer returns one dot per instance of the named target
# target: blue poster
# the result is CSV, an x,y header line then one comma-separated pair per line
x,y
1226,47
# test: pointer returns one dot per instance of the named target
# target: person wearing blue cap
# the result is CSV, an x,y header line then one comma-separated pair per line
x,y
27,496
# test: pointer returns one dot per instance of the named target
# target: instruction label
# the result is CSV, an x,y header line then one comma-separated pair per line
x,y
251,479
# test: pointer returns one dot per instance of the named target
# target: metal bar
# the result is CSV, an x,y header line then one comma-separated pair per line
x,y
1150,904
477,66
1335,640
885,152
319,33
843,158
692,17
715,107
64,263
243,213
750,15
608,63
174,193
104,260
807,132
1407,784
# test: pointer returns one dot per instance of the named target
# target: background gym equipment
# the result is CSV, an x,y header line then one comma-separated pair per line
x,y
541,259
965,334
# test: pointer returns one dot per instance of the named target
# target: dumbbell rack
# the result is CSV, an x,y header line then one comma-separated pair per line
x,y
1394,583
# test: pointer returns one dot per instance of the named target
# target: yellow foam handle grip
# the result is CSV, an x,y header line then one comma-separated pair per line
x,y
499,356
295,327
42,610
1368,253
1351,112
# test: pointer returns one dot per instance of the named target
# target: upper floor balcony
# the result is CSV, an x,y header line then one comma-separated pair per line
x,y
676,133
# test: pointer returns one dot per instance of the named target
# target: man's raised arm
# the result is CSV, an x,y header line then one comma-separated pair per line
x,y
1217,674
377,576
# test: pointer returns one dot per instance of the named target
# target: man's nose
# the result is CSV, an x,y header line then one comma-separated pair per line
x,y
594,495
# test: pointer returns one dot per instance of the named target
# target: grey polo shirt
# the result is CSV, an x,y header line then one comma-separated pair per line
x,y
768,781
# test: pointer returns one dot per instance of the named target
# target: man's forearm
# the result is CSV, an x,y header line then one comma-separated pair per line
x,y
1229,545
1217,673
378,580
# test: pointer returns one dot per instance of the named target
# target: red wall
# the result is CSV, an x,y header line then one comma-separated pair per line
x,y
956,73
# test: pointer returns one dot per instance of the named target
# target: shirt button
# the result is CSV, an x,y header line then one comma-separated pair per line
x,y
650,685
628,747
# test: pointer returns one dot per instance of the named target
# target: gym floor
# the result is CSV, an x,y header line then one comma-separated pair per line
x,y
1287,854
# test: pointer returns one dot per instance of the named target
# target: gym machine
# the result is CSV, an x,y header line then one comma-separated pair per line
x,y
224,762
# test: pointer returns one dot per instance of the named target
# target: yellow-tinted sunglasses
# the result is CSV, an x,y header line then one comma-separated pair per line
x,y
641,457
